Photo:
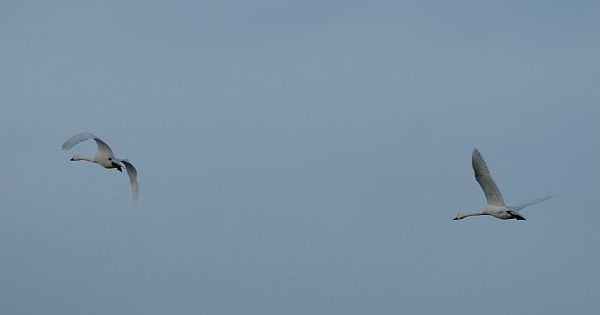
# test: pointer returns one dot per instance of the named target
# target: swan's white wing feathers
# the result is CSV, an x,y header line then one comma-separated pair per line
x,y
74,140
520,205
103,148
484,178
132,173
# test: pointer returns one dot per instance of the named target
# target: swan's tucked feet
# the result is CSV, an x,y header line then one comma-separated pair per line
x,y
515,215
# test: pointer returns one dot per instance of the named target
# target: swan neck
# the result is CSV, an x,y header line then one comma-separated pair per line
x,y
84,158
476,213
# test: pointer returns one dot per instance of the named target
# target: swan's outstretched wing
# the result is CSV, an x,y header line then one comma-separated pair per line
x,y
484,178
103,148
80,137
520,205
132,173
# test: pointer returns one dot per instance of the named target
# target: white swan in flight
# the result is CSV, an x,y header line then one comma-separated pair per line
x,y
105,157
495,203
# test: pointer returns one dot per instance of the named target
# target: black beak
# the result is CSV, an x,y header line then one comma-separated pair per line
x,y
455,219
72,159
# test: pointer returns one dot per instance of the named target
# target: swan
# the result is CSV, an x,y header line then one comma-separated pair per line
x,y
495,203
105,157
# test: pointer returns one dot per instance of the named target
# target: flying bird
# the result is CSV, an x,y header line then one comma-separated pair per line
x,y
105,157
495,203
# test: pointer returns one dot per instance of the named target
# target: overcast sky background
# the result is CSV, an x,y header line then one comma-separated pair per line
x,y
299,157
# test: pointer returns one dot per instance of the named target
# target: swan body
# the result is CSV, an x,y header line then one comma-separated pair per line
x,y
495,202
105,158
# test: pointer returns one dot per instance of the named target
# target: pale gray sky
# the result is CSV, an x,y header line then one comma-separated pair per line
x,y
299,157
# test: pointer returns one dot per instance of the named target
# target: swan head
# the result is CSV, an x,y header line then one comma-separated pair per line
x,y
75,157
459,216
